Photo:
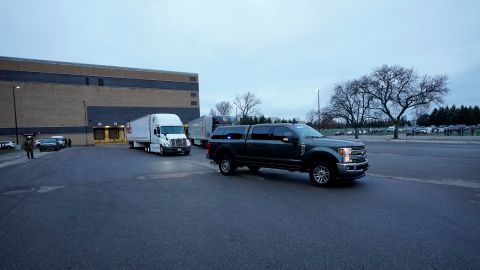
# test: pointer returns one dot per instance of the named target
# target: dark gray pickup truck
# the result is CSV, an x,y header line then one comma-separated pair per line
x,y
285,146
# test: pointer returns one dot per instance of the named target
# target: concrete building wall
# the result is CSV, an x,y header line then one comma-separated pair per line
x,y
70,99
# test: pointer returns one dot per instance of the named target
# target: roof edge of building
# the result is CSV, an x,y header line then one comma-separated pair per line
x,y
18,59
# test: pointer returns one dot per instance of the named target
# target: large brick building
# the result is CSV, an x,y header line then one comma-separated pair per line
x,y
87,103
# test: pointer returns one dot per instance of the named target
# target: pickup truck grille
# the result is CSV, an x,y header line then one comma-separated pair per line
x,y
358,154
178,142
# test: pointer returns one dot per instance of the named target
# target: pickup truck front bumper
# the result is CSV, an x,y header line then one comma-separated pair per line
x,y
352,170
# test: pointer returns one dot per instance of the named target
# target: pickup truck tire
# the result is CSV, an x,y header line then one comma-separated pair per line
x,y
322,173
254,168
226,165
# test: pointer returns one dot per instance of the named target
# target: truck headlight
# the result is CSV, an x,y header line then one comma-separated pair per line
x,y
167,144
188,142
345,153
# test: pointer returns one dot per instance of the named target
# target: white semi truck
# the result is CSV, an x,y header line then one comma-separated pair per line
x,y
158,133
200,129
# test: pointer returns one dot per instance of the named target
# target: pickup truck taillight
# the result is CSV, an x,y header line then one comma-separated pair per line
x,y
209,146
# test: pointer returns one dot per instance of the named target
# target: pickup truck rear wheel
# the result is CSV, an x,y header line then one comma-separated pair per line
x,y
226,165
322,173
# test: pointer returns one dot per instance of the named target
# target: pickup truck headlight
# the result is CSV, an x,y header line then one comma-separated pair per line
x,y
188,143
345,153
167,144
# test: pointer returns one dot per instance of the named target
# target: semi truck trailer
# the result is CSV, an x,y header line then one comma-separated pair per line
x,y
200,129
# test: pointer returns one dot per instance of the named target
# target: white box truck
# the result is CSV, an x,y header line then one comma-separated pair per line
x,y
158,133
200,129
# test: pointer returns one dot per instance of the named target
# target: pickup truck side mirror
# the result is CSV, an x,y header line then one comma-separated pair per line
x,y
290,140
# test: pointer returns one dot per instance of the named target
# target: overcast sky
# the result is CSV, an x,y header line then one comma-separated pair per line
x,y
281,50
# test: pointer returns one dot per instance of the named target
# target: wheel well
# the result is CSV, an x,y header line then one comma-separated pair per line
x,y
323,156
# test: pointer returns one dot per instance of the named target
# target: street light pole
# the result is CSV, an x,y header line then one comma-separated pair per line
x,y
15,110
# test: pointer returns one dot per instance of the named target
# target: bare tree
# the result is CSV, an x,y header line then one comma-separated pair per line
x,y
311,116
395,89
212,112
224,107
247,104
327,117
350,101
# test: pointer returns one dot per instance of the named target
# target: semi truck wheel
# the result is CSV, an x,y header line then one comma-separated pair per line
x,y
322,173
226,165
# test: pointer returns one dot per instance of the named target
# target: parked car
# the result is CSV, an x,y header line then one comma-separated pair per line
x,y
61,140
49,144
338,133
37,143
7,145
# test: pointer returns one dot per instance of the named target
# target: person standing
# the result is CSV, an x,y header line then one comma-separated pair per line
x,y
28,146
69,143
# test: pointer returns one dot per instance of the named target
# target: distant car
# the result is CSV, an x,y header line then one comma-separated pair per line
x,y
37,143
390,128
338,133
350,132
7,145
49,144
61,140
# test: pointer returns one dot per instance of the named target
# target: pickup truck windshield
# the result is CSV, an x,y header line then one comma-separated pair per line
x,y
172,130
307,131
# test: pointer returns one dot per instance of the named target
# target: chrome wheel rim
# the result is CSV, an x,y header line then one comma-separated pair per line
x,y
225,165
321,174
161,150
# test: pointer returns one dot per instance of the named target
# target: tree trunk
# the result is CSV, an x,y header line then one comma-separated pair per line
x,y
395,131
356,132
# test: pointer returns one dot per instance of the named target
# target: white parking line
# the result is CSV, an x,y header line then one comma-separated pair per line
x,y
40,189
22,160
447,182
170,175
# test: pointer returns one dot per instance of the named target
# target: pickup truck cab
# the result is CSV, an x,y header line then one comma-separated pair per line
x,y
294,147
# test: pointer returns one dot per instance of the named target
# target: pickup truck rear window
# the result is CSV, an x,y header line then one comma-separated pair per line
x,y
230,133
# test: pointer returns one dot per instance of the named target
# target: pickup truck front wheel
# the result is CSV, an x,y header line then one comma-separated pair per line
x,y
226,165
322,173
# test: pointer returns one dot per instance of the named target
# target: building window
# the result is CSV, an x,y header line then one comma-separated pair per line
x,y
100,82
87,81
193,79
193,103
193,94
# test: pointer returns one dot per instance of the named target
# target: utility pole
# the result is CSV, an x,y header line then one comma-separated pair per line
x,y
318,107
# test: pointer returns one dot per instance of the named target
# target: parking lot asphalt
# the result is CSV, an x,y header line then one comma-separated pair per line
x,y
110,207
